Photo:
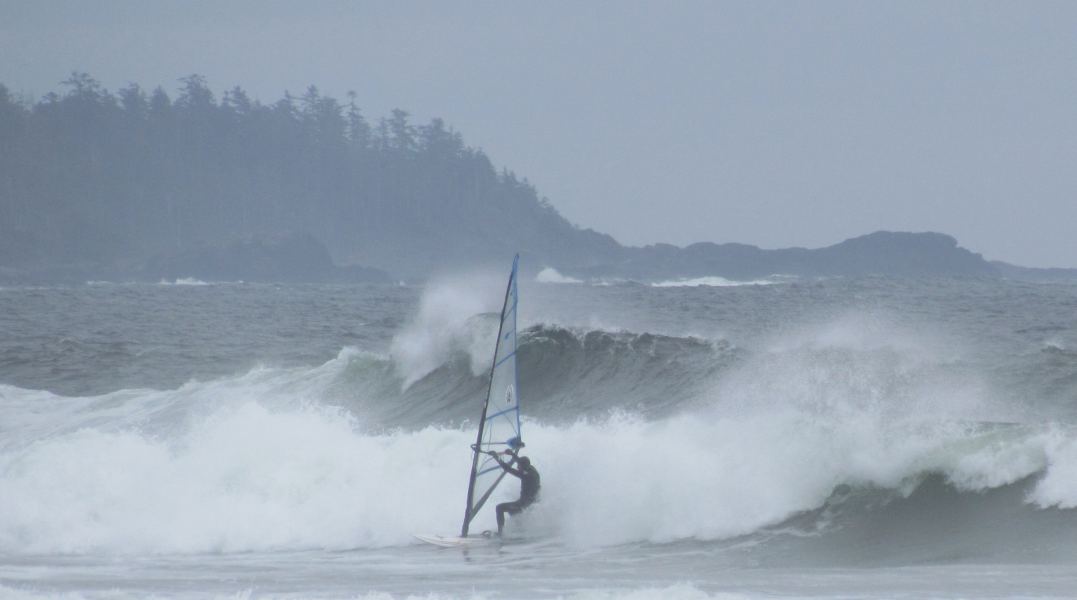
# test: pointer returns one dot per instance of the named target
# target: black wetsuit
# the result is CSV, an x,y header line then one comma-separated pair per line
x,y
529,489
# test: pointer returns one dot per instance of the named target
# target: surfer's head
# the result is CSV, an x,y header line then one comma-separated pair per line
x,y
524,461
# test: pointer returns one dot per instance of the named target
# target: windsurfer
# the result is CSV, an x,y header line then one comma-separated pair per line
x,y
529,485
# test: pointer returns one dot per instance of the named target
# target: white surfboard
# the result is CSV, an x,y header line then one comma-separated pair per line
x,y
451,541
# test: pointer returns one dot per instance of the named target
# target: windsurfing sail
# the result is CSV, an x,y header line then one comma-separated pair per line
x,y
499,427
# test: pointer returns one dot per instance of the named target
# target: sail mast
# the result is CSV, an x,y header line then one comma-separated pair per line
x,y
471,509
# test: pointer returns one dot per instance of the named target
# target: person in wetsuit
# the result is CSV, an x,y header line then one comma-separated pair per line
x,y
529,486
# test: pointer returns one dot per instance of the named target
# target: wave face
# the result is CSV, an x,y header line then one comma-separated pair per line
x,y
809,423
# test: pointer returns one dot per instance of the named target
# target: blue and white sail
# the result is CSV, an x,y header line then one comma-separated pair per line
x,y
499,427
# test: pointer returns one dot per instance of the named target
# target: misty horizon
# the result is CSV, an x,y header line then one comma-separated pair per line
x,y
138,186
228,97
768,124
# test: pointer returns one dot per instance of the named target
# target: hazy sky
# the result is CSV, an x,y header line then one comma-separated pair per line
x,y
776,124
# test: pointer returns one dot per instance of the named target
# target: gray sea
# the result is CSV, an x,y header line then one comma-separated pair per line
x,y
834,438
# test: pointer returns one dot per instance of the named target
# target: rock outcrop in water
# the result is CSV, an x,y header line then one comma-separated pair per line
x,y
880,253
887,253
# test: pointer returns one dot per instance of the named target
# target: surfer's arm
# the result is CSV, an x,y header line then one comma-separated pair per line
x,y
507,466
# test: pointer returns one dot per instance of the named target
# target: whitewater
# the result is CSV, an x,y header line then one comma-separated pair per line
x,y
831,438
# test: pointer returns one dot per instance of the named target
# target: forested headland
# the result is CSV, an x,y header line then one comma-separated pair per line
x,y
89,177
142,184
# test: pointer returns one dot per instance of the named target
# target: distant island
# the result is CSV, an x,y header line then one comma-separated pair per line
x,y
136,185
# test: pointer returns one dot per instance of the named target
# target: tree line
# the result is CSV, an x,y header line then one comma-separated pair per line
x,y
91,175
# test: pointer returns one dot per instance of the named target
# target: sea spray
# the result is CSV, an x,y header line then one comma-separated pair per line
x,y
450,317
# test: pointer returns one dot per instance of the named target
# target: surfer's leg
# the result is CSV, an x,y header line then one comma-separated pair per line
x,y
513,508
501,517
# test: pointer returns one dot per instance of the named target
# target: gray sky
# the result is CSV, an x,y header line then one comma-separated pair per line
x,y
776,124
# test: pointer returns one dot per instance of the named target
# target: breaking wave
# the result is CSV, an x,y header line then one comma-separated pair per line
x,y
551,275
640,438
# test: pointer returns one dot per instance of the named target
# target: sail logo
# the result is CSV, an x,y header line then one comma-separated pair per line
x,y
510,393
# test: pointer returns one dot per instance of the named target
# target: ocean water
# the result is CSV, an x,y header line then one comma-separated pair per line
x,y
699,439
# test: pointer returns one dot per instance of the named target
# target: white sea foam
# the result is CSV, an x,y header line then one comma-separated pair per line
x,y
712,282
551,275
1054,343
248,476
1058,487
245,478
183,281
682,591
